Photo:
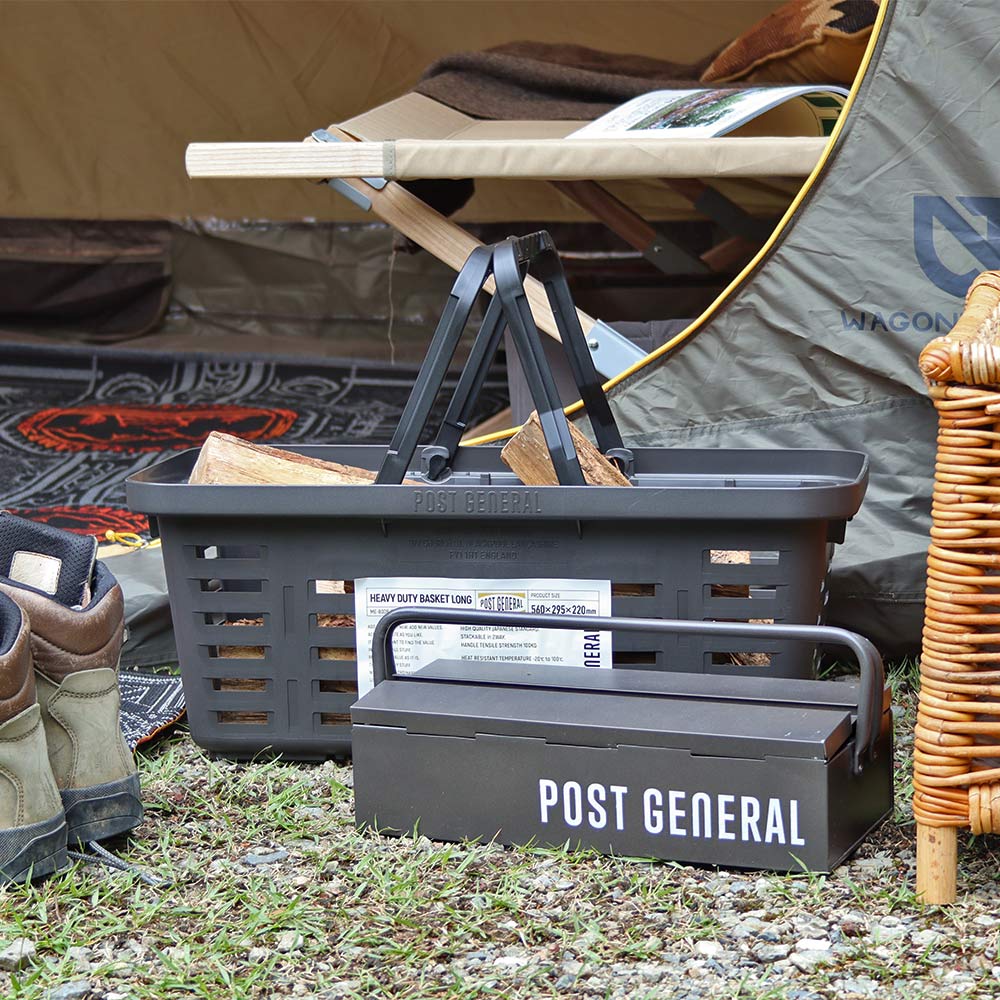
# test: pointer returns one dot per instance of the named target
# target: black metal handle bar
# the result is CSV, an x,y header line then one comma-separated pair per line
x,y
869,660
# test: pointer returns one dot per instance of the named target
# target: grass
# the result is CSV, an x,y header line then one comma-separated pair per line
x,y
367,916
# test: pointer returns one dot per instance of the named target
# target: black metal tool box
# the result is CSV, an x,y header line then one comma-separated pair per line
x,y
746,772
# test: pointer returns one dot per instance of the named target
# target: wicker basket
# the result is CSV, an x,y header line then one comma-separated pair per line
x,y
956,780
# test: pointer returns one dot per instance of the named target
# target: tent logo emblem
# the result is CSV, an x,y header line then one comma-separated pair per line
x,y
933,214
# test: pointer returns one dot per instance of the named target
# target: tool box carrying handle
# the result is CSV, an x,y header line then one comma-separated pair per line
x,y
869,660
507,262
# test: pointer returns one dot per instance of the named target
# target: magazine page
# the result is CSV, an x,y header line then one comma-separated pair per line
x,y
702,112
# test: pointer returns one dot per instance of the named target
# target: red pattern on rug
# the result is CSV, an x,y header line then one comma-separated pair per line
x,y
74,425
88,519
131,428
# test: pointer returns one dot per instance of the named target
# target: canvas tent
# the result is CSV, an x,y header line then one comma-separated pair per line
x,y
817,345
139,82
814,345
103,97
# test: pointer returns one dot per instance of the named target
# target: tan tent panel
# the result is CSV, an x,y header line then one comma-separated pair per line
x,y
100,99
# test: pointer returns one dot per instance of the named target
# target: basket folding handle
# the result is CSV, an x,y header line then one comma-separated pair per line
x,y
507,262
540,253
869,660
477,268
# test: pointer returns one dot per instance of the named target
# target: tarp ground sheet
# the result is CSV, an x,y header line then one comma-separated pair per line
x,y
819,347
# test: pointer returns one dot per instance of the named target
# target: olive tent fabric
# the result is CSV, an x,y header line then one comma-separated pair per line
x,y
818,346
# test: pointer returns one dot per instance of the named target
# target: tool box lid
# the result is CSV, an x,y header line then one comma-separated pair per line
x,y
705,714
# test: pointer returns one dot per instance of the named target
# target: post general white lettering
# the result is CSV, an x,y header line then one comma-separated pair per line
x,y
676,813
701,815
571,795
652,810
548,796
619,792
596,797
726,817
775,831
572,803
749,815
793,823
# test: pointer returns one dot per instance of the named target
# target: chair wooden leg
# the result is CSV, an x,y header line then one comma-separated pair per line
x,y
937,863
445,239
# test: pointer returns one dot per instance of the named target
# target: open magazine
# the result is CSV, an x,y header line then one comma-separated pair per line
x,y
809,110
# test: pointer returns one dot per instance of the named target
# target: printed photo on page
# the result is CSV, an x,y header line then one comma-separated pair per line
x,y
703,112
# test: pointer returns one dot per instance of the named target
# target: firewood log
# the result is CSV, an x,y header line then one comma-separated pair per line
x,y
229,461
527,455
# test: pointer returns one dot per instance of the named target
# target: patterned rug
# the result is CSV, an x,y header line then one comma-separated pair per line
x,y
74,422
151,704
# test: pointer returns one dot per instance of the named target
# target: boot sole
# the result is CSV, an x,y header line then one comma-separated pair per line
x,y
102,811
33,851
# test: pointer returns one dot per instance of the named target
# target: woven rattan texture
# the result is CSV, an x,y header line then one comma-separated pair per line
x,y
957,747
956,776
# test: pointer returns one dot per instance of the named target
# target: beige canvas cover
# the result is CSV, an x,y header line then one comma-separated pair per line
x,y
421,138
416,138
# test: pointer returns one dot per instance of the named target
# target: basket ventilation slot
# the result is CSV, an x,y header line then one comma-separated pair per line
x,y
232,586
228,551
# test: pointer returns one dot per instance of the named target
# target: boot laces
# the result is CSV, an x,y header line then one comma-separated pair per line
x,y
95,854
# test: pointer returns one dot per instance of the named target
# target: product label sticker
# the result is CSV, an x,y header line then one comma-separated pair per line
x,y
417,645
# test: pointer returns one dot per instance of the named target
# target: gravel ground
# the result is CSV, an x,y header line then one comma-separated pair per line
x,y
274,894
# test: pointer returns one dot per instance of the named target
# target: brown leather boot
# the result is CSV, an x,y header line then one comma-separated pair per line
x,y
32,822
76,613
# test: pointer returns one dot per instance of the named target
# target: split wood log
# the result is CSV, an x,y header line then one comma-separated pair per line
x,y
739,557
527,455
229,461
258,653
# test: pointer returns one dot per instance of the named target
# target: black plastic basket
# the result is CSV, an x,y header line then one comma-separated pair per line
x,y
261,577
